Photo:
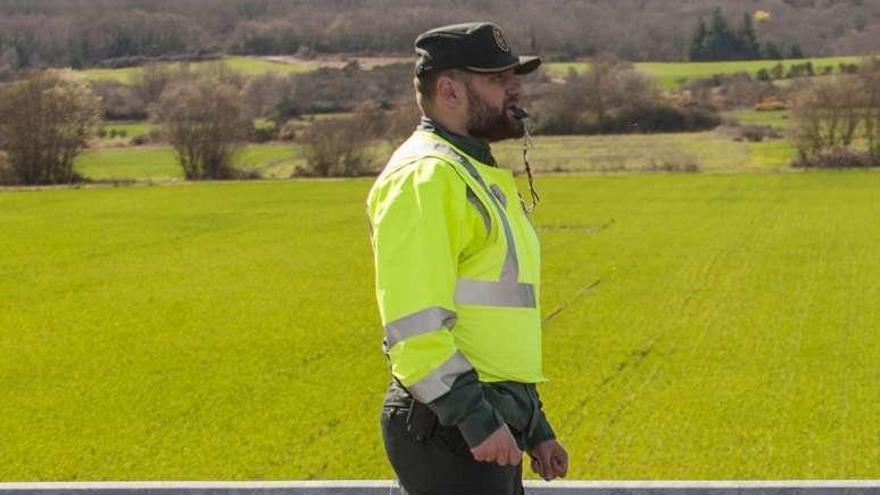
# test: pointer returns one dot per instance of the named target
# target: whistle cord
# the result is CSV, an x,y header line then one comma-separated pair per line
x,y
527,144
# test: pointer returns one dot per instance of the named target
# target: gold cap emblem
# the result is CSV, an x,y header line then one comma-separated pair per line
x,y
499,39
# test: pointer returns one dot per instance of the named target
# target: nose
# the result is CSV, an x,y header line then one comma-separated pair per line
x,y
515,88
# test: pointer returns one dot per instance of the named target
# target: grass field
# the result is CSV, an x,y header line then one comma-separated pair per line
x,y
251,66
132,129
779,119
674,74
159,163
229,330
669,74
710,151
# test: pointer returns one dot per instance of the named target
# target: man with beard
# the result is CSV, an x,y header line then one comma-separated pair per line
x,y
457,280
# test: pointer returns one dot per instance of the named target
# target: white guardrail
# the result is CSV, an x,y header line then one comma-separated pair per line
x,y
380,487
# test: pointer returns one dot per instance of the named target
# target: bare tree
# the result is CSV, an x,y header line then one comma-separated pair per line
x,y
203,121
827,114
870,78
149,82
339,147
612,97
269,96
45,121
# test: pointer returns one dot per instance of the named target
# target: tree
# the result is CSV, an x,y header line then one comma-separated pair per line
x,y
203,121
772,51
45,121
828,114
338,147
149,82
721,43
698,42
749,47
870,78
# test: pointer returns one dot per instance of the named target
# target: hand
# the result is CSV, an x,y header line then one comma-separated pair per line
x,y
549,459
499,447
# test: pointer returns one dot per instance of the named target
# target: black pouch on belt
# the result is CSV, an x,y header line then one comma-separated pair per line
x,y
420,421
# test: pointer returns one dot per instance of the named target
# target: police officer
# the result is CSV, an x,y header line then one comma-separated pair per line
x,y
457,279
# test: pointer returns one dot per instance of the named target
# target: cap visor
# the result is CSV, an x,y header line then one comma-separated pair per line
x,y
527,65
523,66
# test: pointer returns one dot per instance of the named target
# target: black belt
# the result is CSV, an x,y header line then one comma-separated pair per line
x,y
420,419
397,396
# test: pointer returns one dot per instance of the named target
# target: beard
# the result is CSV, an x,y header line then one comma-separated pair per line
x,y
488,123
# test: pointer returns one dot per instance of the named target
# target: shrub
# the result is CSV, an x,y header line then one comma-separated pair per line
x,y
203,121
337,147
263,130
828,114
686,165
6,174
777,71
838,158
661,118
848,68
289,131
757,133
613,98
119,101
45,121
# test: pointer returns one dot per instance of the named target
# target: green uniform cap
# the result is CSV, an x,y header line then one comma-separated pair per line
x,y
475,46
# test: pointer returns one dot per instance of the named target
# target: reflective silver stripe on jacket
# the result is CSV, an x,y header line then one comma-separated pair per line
x,y
489,293
439,381
507,291
474,200
424,321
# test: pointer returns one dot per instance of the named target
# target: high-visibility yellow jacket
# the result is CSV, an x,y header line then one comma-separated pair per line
x,y
457,279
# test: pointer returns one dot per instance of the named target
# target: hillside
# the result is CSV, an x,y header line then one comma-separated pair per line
x,y
82,33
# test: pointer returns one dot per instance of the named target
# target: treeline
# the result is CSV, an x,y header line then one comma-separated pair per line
x,y
837,121
207,114
721,41
272,95
613,98
85,33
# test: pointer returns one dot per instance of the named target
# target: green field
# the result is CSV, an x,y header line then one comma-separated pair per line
x,y
710,151
669,74
251,66
131,129
158,163
229,330
674,74
779,119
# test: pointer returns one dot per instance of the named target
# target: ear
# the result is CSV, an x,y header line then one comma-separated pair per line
x,y
450,91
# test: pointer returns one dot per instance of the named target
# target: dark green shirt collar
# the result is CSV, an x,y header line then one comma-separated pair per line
x,y
475,148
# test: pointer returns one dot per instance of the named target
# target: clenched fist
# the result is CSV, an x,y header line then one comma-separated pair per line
x,y
549,460
499,447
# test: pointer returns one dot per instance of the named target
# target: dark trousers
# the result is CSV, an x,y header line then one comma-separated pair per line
x,y
442,463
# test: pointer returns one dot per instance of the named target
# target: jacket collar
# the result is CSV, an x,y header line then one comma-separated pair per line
x,y
475,148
